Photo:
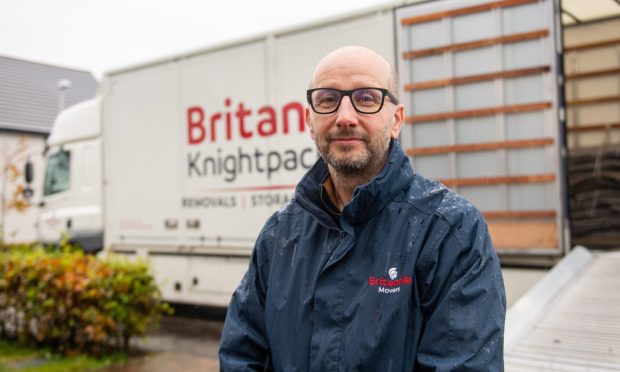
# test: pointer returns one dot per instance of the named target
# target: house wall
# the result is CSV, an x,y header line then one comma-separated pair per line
x,y
18,226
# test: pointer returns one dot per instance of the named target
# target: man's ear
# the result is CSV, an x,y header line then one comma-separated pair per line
x,y
308,118
397,121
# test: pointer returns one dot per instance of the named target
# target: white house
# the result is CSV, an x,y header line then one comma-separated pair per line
x,y
31,95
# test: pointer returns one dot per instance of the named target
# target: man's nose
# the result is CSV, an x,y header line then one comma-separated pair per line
x,y
346,114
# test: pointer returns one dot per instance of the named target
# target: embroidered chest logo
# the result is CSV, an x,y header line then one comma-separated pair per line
x,y
393,273
391,285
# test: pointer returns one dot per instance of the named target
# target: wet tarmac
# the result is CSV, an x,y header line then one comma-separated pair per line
x,y
180,344
166,362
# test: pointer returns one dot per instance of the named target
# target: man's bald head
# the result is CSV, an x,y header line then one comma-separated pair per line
x,y
357,55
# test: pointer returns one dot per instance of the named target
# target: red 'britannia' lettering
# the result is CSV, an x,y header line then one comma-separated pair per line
x,y
238,123
381,281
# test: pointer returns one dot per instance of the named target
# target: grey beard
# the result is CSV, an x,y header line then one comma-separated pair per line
x,y
364,164
348,167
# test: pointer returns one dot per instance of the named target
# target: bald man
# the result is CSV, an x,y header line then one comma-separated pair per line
x,y
371,266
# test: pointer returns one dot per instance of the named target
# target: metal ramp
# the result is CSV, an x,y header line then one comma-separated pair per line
x,y
570,320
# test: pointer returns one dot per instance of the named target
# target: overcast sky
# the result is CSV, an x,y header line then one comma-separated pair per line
x,y
99,35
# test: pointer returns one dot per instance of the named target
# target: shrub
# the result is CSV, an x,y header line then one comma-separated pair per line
x,y
75,302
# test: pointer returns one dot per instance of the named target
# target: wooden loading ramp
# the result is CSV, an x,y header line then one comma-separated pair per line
x,y
570,320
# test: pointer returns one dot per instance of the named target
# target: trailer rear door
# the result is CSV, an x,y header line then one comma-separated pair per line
x,y
480,86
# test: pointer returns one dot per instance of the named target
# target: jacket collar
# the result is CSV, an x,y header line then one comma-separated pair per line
x,y
368,199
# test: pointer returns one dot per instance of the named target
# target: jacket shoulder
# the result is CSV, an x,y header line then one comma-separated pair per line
x,y
287,214
457,214
458,211
432,197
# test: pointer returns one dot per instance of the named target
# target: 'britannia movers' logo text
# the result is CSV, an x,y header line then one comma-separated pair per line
x,y
391,285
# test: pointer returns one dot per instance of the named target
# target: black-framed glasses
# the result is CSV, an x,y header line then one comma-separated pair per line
x,y
365,100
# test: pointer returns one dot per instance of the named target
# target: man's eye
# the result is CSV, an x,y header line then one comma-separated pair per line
x,y
367,98
327,100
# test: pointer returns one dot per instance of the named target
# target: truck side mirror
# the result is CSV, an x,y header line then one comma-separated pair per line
x,y
29,171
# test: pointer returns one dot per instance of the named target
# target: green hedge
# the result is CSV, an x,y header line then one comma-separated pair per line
x,y
75,302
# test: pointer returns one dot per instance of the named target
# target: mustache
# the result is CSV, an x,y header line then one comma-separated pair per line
x,y
345,133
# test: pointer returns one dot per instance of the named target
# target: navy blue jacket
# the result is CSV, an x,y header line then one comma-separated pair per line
x,y
408,280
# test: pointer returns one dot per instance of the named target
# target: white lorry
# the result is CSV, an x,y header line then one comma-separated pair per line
x,y
182,160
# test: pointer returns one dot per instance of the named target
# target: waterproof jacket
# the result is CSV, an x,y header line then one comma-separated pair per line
x,y
408,280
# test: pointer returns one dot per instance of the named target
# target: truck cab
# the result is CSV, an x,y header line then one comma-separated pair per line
x,y
71,201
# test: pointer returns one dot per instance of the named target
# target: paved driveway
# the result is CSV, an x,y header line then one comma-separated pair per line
x,y
180,345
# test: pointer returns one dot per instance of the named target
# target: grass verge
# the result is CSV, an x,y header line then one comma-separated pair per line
x,y
23,359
